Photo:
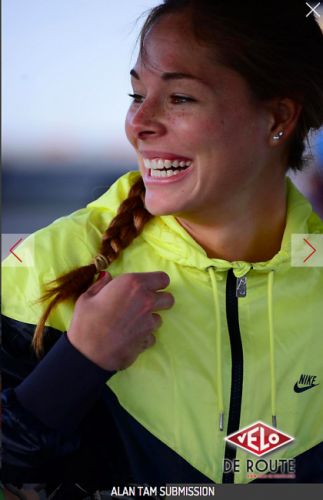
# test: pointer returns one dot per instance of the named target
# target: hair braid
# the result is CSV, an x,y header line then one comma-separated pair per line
x,y
123,229
127,224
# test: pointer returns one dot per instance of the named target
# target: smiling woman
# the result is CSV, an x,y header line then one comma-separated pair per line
x,y
193,335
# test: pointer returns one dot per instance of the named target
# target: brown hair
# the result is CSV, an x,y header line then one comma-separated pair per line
x,y
124,227
275,47
272,44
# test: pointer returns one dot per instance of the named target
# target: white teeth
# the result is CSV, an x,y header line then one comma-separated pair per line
x,y
160,164
163,173
158,173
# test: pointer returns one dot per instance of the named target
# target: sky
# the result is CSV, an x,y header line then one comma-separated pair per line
x,y
66,77
66,70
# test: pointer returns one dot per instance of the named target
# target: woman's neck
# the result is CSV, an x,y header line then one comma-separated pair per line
x,y
250,232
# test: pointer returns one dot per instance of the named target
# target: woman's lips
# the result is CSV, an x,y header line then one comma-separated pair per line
x,y
161,167
166,176
150,155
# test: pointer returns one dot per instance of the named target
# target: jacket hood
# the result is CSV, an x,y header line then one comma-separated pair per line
x,y
171,240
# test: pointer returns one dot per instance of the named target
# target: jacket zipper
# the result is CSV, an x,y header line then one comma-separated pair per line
x,y
236,370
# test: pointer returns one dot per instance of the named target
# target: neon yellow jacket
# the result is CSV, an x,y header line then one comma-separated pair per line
x,y
178,388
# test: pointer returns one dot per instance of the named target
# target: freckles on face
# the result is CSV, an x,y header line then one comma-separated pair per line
x,y
206,114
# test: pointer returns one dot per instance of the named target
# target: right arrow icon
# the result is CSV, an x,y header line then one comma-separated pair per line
x,y
312,253
307,250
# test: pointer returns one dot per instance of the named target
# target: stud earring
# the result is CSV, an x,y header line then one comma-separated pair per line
x,y
278,136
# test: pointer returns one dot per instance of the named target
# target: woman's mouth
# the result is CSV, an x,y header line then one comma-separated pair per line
x,y
161,168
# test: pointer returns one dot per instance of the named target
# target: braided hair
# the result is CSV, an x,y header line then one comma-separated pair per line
x,y
123,229
278,53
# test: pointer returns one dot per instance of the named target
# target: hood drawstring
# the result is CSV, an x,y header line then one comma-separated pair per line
x,y
215,292
218,345
272,347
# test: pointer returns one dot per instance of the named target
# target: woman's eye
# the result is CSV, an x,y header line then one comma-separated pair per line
x,y
175,99
181,99
136,98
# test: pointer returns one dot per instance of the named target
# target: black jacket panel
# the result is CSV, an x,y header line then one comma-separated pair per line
x,y
106,446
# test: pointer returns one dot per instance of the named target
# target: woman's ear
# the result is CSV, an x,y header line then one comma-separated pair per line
x,y
284,113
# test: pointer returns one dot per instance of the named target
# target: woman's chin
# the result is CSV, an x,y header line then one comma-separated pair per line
x,y
159,206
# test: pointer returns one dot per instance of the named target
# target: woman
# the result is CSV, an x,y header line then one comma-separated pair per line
x,y
201,327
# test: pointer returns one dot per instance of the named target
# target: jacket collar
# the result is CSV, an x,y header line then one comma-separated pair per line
x,y
173,242
170,240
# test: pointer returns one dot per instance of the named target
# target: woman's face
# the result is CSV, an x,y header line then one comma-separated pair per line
x,y
200,136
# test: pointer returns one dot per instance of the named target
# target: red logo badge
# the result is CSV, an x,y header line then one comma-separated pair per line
x,y
259,438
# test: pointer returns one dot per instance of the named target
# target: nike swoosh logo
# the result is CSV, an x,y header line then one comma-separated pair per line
x,y
302,389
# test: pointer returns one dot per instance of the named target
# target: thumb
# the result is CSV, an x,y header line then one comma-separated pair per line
x,y
102,280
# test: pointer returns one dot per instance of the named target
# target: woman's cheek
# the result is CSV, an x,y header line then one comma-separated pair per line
x,y
128,129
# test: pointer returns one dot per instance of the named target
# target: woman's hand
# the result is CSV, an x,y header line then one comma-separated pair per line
x,y
114,320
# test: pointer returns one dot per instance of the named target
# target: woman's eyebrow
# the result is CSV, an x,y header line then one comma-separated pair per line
x,y
171,76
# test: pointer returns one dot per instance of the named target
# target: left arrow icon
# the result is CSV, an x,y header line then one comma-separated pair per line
x,y
14,246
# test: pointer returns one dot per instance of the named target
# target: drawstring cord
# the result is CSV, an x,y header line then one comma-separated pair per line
x,y
218,346
272,347
270,282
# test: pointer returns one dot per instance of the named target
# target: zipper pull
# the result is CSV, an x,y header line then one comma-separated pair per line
x,y
241,289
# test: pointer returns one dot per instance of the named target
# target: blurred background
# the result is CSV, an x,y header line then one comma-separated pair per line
x,y
64,99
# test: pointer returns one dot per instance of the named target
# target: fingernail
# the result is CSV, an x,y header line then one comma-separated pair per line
x,y
101,274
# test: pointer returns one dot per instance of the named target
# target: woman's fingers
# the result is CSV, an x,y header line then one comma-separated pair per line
x,y
157,321
147,342
156,280
99,284
163,300
116,318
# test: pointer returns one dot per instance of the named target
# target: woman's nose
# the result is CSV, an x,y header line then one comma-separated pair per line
x,y
146,121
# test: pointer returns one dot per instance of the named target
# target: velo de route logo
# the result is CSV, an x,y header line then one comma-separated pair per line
x,y
261,439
